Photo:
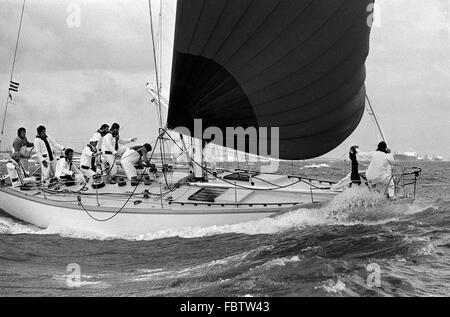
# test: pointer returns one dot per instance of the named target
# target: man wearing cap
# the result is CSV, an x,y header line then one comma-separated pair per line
x,y
44,145
112,149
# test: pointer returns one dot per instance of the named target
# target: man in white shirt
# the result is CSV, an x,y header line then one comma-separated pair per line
x,y
134,155
112,150
88,159
44,146
98,137
67,171
379,172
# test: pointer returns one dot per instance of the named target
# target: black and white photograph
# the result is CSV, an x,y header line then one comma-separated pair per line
x,y
225,153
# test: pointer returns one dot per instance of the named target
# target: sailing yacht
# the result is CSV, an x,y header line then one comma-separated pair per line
x,y
292,70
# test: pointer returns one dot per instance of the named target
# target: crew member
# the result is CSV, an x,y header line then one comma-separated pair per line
x,y
66,169
98,136
16,172
133,156
355,178
20,146
379,172
44,145
112,150
88,164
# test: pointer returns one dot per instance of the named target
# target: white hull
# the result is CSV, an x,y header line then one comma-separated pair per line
x,y
128,222
141,215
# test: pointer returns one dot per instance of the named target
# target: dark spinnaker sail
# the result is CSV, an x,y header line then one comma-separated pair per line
x,y
294,64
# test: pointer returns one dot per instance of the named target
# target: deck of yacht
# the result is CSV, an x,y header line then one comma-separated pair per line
x,y
229,189
164,203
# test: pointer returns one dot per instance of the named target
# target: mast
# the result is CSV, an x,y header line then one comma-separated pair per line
x,y
157,76
12,73
161,131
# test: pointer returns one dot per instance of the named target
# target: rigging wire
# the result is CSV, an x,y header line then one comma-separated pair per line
x,y
373,115
160,45
12,71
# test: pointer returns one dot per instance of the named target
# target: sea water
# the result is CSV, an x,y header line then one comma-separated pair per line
x,y
354,246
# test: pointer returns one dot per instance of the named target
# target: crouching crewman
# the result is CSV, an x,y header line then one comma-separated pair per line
x,y
67,171
133,156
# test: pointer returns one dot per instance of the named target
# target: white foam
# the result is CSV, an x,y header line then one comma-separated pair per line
x,y
317,166
72,233
353,206
362,205
426,246
282,261
13,227
295,219
310,249
10,226
428,249
331,287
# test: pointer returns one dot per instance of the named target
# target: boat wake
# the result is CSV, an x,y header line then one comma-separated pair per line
x,y
361,205
13,226
352,207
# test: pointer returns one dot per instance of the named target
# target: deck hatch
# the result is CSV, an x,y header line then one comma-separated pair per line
x,y
240,176
207,194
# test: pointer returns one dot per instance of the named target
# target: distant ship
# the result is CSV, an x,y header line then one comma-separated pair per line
x,y
437,158
406,156
434,158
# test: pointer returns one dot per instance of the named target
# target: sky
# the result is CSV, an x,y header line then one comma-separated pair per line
x,y
76,74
